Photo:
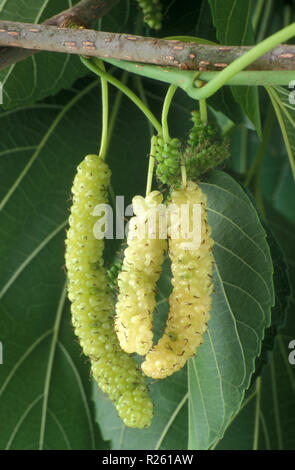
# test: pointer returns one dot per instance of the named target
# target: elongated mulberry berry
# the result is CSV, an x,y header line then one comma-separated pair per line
x,y
116,373
190,300
141,269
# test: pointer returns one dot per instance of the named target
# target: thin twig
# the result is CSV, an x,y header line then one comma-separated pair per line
x,y
184,55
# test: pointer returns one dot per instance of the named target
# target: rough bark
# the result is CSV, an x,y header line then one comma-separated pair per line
x,y
184,55
84,14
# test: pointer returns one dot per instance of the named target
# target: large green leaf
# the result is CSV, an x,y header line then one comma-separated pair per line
x,y
242,300
267,417
233,23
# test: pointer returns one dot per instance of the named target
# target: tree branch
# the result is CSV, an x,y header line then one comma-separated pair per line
x,y
84,14
184,55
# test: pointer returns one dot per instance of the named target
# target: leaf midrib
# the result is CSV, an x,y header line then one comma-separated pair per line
x,y
51,356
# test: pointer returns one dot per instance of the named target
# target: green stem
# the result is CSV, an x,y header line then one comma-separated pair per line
x,y
246,59
116,106
203,111
131,95
139,86
186,79
105,115
151,165
262,147
250,78
166,106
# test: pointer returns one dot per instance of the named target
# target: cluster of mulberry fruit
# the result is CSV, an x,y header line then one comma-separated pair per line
x,y
108,334
116,373
152,12
205,147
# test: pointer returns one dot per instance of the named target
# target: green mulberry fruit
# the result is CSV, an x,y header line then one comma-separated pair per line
x,y
116,373
204,150
168,158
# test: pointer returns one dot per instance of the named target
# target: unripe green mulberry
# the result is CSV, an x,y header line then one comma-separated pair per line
x,y
152,12
190,300
116,373
202,133
141,269
206,149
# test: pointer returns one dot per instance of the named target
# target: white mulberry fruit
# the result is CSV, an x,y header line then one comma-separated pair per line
x,y
137,280
190,300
